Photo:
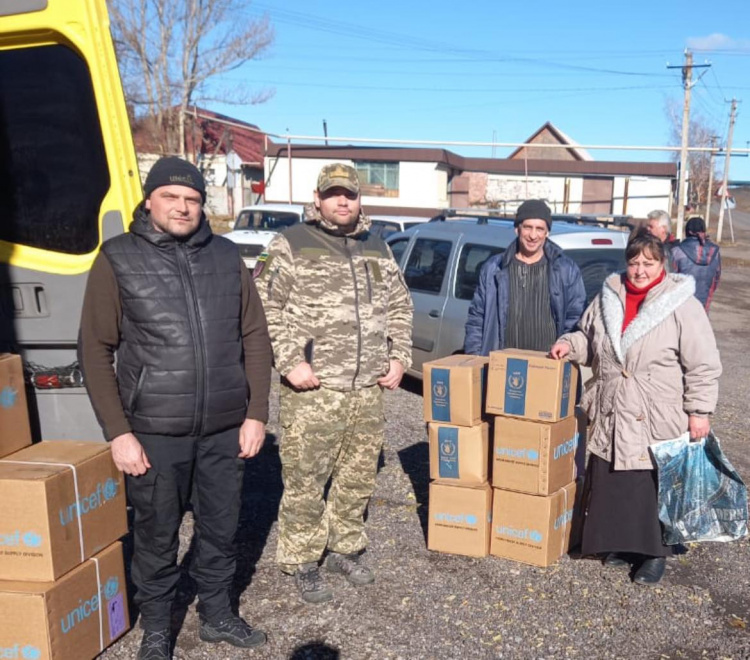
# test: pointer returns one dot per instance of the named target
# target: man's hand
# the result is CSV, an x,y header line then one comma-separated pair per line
x,y
252,436
392,379
302,377
128,455
699,427
559,350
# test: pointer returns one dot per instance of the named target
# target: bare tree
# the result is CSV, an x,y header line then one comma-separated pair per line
x,y
700,134
171,53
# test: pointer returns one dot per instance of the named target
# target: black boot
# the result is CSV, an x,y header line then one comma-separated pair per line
x,y
615,560
651,571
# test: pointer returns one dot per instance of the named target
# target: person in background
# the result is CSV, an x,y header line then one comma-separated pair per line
x,y
527,296
699,257
176,358
660,225
340,319
656,375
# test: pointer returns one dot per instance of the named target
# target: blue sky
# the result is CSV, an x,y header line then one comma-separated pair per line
x,y
465,72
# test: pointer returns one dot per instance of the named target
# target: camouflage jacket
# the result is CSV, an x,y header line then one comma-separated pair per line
x,y
336,301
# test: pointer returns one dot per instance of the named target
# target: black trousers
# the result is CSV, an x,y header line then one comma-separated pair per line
x,y
207,472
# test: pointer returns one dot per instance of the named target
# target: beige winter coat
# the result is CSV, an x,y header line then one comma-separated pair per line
x,y
647,380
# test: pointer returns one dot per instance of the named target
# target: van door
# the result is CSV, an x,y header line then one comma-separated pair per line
x,y
68,180
426,274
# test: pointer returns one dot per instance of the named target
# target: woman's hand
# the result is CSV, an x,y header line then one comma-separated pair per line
x,y
699,427
559,350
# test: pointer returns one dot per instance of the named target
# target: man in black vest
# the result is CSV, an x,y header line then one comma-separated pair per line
x,y
188,399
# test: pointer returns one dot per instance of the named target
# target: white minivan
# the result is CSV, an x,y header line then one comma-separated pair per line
x,y
256,226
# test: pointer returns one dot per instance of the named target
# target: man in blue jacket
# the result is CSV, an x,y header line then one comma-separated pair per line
x,y
527,296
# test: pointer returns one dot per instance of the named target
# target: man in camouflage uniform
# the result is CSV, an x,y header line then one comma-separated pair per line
x,y
340,317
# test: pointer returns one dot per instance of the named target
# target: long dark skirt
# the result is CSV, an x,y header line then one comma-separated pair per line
x,y
621,511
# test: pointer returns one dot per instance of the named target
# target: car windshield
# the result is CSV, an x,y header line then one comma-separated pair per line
x,y
266,220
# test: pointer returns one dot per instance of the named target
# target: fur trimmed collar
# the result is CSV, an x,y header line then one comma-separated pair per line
x,y
660,302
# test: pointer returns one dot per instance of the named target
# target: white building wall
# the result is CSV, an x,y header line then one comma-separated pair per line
x,y
420,184
644,195
507,192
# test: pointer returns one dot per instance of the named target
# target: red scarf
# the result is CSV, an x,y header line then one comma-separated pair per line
x,y
634,298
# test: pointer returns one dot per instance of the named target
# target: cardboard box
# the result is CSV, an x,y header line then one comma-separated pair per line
x,y
76,617
45,530
454,389
459,454
460,519
534,457
533,529
15,432
530,385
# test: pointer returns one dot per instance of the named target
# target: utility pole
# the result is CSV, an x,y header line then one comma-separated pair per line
x,y
725,181
687,83
709,191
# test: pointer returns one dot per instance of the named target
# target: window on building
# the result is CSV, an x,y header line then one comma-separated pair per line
x,y
53,167
378,179
427,265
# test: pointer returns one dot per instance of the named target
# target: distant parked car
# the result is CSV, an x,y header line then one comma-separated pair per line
x,y
385,225
441,261
256,226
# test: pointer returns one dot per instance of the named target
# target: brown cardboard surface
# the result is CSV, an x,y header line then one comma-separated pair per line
x,y
76,617
459,519
459,454
454,389
15,432
40,538
534,457
533,529
529,385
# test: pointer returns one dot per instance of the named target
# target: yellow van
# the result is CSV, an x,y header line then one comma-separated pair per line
x,y
68,181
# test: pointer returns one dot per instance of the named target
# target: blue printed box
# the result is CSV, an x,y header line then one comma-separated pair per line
x,y
459,454
15,432
63,501
532,529
530,385
534,457
460,518
454,389
78,616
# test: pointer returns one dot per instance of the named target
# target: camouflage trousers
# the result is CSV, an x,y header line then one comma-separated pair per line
x,y
327,435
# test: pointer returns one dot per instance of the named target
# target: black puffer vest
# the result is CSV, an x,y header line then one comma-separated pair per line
x,y
179,364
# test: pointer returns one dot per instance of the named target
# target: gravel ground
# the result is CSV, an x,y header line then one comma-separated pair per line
x,y
428,605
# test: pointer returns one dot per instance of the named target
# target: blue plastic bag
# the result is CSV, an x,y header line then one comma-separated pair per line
x,y
701,496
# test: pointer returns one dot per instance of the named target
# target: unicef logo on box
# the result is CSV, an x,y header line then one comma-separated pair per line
x,y
111,588
8,397
457,519
17,538
110,489
27,652
519,534
32,540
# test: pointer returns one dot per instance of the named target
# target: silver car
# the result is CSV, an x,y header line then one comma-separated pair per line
x,y
441,261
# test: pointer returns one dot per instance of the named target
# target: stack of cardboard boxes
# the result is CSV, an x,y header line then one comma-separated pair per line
x,y
530,406
62,509
460,493
534,449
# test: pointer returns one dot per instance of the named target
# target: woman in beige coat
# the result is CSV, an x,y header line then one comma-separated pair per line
x,y
656,369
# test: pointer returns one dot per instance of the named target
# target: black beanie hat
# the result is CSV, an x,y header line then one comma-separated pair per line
x,y
173,171
533,209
